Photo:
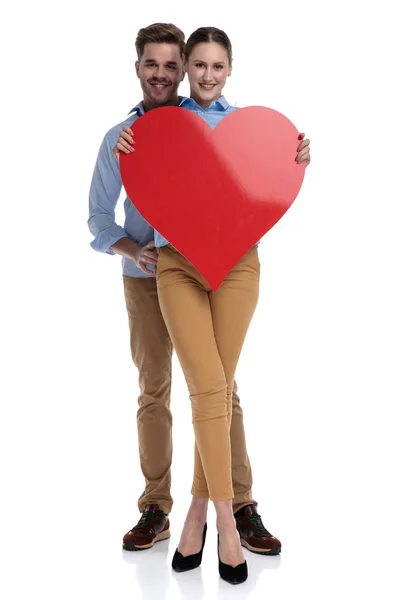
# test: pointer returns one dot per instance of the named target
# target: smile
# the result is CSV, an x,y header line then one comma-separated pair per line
x,y
207,86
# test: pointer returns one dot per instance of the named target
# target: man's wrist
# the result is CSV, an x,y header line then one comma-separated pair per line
x,y
127,248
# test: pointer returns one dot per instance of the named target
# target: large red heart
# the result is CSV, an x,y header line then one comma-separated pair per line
x,y
213,193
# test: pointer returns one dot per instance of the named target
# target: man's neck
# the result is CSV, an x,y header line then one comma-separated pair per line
x,y
149,105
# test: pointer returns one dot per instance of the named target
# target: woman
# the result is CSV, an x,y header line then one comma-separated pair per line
x,y
208,329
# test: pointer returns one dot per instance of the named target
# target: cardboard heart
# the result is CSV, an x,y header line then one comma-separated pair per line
x,y
213,193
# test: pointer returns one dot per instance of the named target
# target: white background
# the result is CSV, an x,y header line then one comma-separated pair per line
x,y
319,374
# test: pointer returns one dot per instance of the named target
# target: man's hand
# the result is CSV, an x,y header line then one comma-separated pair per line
x,y
141,255
303,151
146,254
125,142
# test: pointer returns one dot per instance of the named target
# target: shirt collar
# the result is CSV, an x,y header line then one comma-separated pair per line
x,y
139,108
220,104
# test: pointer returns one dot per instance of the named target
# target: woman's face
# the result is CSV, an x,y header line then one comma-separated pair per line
x,y
207,68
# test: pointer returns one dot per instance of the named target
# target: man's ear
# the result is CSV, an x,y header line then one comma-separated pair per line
x,y
183,68
137,67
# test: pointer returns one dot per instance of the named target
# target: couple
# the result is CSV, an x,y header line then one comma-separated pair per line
x,y
177,309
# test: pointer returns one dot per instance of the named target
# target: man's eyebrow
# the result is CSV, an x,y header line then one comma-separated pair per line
x,y
169,62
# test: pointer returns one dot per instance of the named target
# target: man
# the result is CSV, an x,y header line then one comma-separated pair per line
x,y
160,69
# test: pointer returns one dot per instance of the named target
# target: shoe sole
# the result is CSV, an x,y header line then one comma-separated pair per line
x,y
164,535
181,570
272,552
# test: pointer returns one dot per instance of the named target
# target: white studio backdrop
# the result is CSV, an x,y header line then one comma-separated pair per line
x,y
319,373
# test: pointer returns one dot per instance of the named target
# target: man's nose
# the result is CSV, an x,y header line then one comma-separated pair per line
x,y
160,72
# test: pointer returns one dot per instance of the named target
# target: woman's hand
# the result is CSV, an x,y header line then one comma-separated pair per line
x,y
125,142
303,151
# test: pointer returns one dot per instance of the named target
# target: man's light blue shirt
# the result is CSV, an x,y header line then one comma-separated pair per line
x,y
104,193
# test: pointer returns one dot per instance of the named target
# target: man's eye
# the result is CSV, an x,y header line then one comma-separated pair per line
x,y
171,67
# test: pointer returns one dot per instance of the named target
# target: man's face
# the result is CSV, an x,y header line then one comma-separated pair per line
x,y
160,71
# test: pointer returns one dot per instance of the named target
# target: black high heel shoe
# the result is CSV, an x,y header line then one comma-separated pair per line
x,y
186,563
230,574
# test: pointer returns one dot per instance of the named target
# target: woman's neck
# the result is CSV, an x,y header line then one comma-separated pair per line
x,y
203,104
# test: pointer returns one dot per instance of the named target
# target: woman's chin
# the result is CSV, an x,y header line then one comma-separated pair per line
x,y
208,96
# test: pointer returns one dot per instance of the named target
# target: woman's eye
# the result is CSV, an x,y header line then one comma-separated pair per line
x,y
218,67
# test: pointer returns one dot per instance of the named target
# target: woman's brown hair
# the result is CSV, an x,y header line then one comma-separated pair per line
x,y
208,34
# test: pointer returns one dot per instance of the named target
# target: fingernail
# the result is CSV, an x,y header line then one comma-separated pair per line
x,y
299,138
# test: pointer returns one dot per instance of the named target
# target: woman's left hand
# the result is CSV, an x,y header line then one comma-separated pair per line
x,y
303,151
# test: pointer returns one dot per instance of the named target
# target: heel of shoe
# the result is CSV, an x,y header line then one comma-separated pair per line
x,y
187,563
233,575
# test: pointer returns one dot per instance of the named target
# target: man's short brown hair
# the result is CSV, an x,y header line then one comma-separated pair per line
x,y
159,33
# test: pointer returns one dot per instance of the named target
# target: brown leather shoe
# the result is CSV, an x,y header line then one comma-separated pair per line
x,y
152,527
253,534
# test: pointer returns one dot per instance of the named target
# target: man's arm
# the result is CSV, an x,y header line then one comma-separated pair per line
x,y
126,247
103,197
104,193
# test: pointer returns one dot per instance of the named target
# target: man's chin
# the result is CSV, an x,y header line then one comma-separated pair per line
x,y
160,98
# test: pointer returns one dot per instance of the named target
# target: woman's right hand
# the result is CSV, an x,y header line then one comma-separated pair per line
x,y
125,142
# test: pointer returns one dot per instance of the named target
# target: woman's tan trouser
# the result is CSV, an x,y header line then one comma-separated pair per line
x,y
207,330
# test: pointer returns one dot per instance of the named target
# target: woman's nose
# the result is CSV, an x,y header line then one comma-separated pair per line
x,y
207,75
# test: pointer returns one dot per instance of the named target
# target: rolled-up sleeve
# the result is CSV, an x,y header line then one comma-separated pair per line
x,y
105,190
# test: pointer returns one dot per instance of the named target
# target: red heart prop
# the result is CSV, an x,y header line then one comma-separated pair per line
x,y
213,193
